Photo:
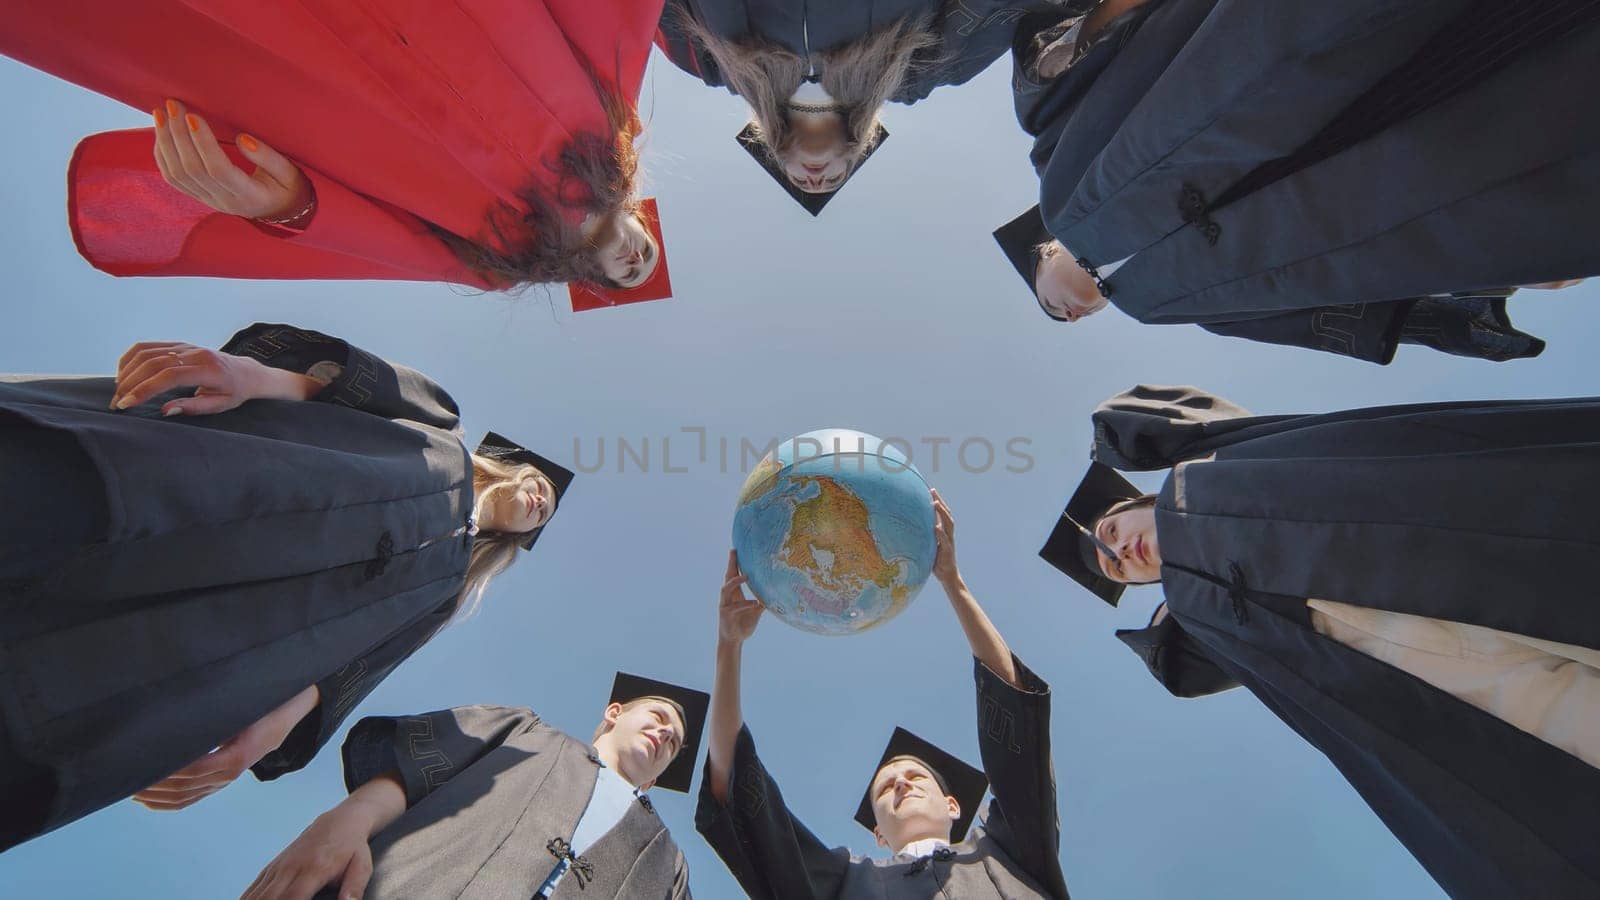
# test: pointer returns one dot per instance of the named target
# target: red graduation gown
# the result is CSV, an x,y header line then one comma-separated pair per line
x,y
399,111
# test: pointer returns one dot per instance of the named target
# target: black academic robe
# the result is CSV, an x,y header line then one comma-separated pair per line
x,y
972,33
1012,851
1250,159
1480,513
245,556
493,796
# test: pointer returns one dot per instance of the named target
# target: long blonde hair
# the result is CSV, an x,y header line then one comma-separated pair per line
x,y
492,551
861,76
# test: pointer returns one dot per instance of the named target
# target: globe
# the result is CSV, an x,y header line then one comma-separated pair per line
x,y
834,531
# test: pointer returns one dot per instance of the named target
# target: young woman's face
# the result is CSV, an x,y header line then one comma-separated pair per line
x,y
817,159
1132,533
520,507
626,251
1065,290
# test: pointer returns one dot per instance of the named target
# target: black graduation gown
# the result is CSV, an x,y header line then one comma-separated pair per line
x,y
973,33
1146,149
1480,513
245,556
1012,851
490,790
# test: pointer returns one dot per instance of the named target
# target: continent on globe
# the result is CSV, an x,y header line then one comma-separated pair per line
x,y
763,478
834,531
834,524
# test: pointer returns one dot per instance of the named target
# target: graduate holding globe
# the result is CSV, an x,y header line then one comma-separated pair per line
x,y
921,802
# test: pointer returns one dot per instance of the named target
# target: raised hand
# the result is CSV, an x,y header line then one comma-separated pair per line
x,y
223,381
332,849
737,614
944,537
222,766
191,160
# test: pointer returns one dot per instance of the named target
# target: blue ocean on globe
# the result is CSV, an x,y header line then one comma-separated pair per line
x,y
834,531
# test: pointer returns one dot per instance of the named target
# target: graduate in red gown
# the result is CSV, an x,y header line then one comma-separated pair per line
x,y
479,142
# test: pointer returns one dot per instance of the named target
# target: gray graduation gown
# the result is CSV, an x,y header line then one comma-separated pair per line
x,y
1480,513
246,555
1137,151
490,791
1011,851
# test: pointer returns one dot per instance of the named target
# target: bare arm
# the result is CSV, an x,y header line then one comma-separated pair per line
x,y
219,768
334,847
987,645
737,617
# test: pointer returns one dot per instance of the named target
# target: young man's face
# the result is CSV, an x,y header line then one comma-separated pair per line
x,y
909,804
647,735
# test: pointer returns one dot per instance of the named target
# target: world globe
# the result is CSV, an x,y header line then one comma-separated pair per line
x,y
834,531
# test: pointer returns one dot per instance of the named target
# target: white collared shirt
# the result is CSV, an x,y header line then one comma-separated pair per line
x,y
609,803
924,847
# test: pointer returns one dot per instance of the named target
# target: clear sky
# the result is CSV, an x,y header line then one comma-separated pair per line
x,y
894,314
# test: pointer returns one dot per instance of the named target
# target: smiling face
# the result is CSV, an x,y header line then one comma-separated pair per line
x,y
625,250
909,804
1064,289
1130,530
518,505
646,735
817,157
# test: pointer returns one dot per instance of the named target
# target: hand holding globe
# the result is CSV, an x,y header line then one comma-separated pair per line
x,y
737,614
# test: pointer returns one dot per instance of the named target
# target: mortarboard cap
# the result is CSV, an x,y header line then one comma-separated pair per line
x,y
657,287
813,203
498,447
961,781
1019,240
692,704
1176,659
1071,545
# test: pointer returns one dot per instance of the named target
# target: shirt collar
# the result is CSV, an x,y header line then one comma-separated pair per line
x,y
924,847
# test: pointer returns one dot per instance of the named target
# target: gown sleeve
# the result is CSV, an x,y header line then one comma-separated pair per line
x,y
126,220
365,382
1151,427
771,853
1014,741
429,749
343,691
1369,332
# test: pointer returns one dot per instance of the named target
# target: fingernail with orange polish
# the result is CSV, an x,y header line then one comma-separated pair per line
x,y
248,143
161,117
172,107
193,120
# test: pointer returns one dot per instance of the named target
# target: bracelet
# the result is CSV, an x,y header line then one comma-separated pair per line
x,y
295,216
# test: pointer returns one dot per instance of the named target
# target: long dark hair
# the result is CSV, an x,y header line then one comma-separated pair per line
x,y
540,244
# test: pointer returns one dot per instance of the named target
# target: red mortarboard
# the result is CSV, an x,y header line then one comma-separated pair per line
x,y
659,287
